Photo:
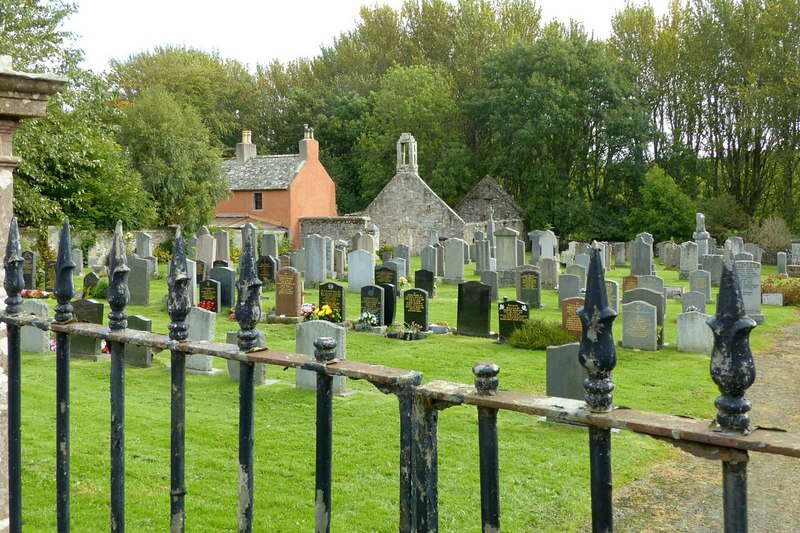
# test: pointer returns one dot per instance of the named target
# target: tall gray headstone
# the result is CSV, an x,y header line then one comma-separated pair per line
x,y
454,261
429,259
234,367
569,286
550,272
689,259
223,246
305,335
565,374
139,280
140,356
403,252
489,277
201,327
642,255
694,335
612,291
782,263
750,282
33,339
548,245
700,281
316,261
639,329
361,270
506,248
269,244
712,263
580,271
536,251
701,236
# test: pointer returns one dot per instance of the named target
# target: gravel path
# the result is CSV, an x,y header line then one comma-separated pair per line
x,y
686,494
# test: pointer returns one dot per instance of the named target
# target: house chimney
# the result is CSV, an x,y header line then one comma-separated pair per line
x,y
407,153
309,147
245,149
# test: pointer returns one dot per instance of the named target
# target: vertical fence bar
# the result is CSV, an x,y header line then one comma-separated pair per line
x,y
405,395
426,465
118,296
178,304
248,313
324,352
599,356
64,291
486,383
733,370
13,284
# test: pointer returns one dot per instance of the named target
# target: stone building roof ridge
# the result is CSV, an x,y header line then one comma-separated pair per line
x,y
466,207
263,172
422,183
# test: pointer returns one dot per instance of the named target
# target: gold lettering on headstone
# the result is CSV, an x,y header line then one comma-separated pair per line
x,y
529,280
331,297
285,284
384,276
513,313
639,326
371,304
414,302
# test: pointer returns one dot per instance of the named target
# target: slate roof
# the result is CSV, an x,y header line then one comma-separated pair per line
x,y
485,193
264,172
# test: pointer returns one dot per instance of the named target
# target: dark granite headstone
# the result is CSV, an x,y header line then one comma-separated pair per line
x,y
29,266
372,302
87,347
565,374
333,295
424,279
267,268
512,314
385,275
474,309
415,308
139,355
227,282
209,295
220,263
389,303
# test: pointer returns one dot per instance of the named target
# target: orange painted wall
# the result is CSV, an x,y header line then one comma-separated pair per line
x,y
313,194
276,205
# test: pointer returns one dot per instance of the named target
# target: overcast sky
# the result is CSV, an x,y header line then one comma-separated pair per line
x,y
258,31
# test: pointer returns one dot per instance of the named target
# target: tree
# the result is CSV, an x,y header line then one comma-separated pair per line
x,y
664,210
71,165
175,154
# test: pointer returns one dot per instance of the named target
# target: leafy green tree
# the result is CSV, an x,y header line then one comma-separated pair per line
x,y
175,154
71,165
664,210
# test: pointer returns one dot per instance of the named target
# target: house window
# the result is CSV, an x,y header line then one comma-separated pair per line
x,y
257,201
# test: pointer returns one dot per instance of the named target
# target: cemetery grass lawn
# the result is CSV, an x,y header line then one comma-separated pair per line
x,y
544,467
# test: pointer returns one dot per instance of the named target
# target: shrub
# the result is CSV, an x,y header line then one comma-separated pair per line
x,y
163,252
285,246
537,334
773,234
789,287
100,291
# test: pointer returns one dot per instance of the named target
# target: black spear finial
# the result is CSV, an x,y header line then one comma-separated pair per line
x,y
486,381
12,263
248,306
64,287
178,284
597,352
732,367
118,292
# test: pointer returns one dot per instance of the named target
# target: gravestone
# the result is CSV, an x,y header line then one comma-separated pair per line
x,y
782,263
209,297
570,321
429,259
750,282
339,261
366,242
653,283
389,303
490,278
772,299
612,292
629,283
269,244
372,302
454,262
316,261
415,308
328,244
701,236
285,261
642,255
582,260
49,276
743,256
439,259
77,258
694,335
201,270
732,247
795,252
693,301
712,264
565,374
385,275
483,256
353,245
139,280
619,254
32,339
548,245
227,284
529,286
306,334
433,237
512,315
222,245
267,267
30,266
474,309
201,327
506,249
206,250
288,292
144,244
87,347
424,279
654,298
689,259
140,356
569,286
579,271
333,295
639,326
700,281
536,252
520,252
398,264
550,272
234,367
403,252
191,271
89,282
219,263
755,250
361,270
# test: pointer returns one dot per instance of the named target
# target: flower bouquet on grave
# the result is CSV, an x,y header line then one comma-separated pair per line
x,y
208,305
35,294
309,311
329,314
367,320
402,284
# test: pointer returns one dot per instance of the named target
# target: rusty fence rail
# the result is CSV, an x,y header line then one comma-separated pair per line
x,y
728,439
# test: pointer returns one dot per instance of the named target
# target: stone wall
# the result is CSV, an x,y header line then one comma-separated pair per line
x,y
334,227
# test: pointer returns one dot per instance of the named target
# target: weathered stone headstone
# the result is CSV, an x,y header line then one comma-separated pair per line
x,y
191,270
700,281
506,248
550,272
548,245
201,270
474,309
772,299
234,367
654,298
694,335
565,374
693,301
285,261
141,356
490,278
582,260
333,295
403,252
206,250
536,251
642,255
520,252
639,326
201,327
89,282
755,250
712,263
398,264
339,255
529,286
139,280
429,259
87,347
30,266
209,297
454,261
288,292
415,308
433,237
439,259
570,321
612,291
372,302
569,286
629,283
653,283
389,303
361,270
222,245
424,279
366,242
579,271
732,247
328,244
32,339
619,254
782,263
689,259
512,315
269,244
227,284
750,282
701,236
316,261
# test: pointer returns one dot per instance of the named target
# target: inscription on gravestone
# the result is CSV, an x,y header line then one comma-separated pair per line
x,y
512,315
385,275
288,294
570,321
372,302
630,283
267,267
209,295
332,294
530,287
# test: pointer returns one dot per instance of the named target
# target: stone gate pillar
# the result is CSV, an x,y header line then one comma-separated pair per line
x,y
22,96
